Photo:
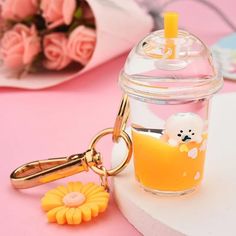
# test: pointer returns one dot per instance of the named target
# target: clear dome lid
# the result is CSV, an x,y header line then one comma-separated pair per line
x,y
180,68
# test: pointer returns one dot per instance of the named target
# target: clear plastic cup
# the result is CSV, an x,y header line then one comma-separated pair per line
x,y
169,83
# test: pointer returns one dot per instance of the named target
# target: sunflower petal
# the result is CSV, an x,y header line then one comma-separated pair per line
x,y
51,215
86,213
91,189
86,187
70,187
99,195
102,206
98,189
55,192
101,203
62,189
77,186
50,202
94,208
77,217
61,216
97,200
69,216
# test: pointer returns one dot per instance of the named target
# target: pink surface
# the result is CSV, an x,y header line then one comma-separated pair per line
x,y
62,120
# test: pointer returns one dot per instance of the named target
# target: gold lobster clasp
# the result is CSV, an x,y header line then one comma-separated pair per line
x,y
44,171
40,172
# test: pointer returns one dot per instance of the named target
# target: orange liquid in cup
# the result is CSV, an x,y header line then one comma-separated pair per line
x,y
160,166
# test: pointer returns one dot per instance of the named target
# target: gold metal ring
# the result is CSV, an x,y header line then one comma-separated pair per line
x,y
125,161
121,119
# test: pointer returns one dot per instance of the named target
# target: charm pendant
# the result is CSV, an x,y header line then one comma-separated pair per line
x,y
74,203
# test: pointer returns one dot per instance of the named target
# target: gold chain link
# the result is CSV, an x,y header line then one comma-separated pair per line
x,y
104,179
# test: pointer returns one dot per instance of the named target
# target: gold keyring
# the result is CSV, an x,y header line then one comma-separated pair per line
x,y
121,119
127,158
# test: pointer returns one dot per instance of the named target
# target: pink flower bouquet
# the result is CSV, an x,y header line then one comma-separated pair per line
x,y
66,37
50,34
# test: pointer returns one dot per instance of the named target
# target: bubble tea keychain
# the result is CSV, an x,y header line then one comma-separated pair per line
x,y
168,80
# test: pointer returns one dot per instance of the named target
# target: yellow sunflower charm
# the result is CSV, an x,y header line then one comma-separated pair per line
x,y
74,203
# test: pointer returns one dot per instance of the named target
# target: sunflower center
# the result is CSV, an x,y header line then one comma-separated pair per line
x,y
74,199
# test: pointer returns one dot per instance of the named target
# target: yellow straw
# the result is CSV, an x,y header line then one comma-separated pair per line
x,y
171,31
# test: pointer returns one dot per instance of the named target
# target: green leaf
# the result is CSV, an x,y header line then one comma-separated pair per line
x,y
78,14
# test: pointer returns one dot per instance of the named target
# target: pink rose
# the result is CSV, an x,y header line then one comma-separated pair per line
x,y
55,51
58,12
81,44
18,9
19,46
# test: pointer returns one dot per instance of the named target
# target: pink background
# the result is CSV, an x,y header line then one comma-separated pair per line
x,y
63,119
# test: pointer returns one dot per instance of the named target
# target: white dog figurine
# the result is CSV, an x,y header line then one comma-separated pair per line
x,y
183,128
